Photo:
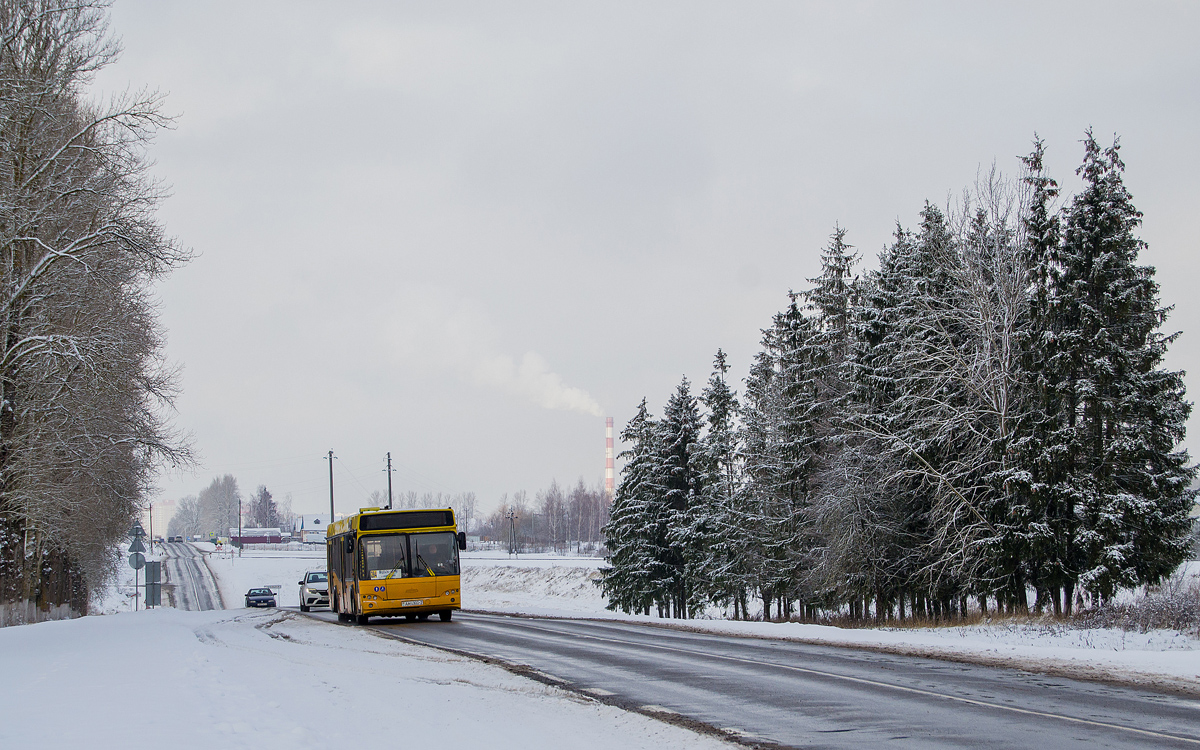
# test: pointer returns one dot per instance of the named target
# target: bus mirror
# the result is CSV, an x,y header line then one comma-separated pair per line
x,y
462,540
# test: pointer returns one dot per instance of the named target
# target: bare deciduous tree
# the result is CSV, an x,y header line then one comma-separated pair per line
x,y
83,386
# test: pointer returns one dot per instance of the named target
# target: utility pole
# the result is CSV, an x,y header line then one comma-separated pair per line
x,y
330,459
152,528
512,530
240,542
389,470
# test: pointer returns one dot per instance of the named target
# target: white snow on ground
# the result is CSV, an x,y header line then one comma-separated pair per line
x,y
238,574
274,679
556,586
562,586
118,597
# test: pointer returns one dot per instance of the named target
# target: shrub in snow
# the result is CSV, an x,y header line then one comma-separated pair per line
x,y
1173,606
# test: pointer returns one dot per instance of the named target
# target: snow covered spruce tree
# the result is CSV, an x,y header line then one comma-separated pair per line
x,y
1035,554
629,582
722,572
779,441
687,528
1121,485
81,376
983,416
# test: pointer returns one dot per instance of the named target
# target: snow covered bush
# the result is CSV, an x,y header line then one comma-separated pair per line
x,y
1175,605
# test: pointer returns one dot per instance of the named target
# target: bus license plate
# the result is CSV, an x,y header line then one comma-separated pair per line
x,y
411,603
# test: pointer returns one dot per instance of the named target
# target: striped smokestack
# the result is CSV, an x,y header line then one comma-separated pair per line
x,y
608,457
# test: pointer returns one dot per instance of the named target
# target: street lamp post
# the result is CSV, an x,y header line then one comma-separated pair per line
x,y
512,530
330,459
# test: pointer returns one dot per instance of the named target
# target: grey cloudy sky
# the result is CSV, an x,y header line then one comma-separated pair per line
x,y
465,232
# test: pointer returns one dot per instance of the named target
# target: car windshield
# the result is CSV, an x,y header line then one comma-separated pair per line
x,y
317,578
260,592
435,554
386,555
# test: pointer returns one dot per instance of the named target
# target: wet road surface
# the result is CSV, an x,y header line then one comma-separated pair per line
x,y
800,695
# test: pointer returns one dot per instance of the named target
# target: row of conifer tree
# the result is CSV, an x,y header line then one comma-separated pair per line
x,y
983,423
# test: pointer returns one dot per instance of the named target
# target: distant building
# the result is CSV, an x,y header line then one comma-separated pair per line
x,y
255,536
158,516
310,527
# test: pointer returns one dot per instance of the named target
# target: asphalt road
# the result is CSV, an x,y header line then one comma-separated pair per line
x,y
798,695
188,580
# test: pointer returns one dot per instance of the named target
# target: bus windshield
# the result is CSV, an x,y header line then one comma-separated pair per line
x,y
435,554
386,555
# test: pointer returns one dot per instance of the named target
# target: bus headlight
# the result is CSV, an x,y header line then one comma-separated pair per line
x,y
450,592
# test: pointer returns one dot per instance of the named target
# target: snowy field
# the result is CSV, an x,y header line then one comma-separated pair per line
x,y
236,575
276,679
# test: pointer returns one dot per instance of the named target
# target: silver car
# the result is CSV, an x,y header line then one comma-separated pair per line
x,y
314,590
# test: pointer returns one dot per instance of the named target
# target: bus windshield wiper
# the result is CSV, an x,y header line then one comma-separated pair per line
x,y
425,565
393,570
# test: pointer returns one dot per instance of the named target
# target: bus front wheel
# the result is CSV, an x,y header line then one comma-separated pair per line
x,y
361,619
445,615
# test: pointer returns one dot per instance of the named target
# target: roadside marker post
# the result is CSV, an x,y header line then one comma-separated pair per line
x,y
136,559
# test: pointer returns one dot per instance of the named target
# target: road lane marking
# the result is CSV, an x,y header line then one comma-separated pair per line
x,y
876,683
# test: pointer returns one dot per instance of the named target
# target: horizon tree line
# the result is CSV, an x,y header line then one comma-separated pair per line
x,y
556,519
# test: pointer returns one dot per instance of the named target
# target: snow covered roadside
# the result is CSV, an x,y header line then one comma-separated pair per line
x,y
275,679
118,596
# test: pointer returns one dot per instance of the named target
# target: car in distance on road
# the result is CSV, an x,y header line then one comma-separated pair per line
x,y
314,590
261,597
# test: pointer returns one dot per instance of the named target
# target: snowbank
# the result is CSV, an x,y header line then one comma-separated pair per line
x,y
276,679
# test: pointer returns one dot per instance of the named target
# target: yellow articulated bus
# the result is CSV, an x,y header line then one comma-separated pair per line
x,y
394,563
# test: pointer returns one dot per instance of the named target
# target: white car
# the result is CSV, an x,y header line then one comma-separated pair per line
x,y
314,590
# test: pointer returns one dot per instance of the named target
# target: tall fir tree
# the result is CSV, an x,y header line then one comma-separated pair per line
x,y
633,556
722,571
685,529
779,434
1121,415
1038,531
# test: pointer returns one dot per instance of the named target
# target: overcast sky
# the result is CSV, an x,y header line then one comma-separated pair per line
x,y
466,232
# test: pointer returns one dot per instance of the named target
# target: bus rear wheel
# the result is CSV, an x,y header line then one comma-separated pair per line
x,y
445,615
